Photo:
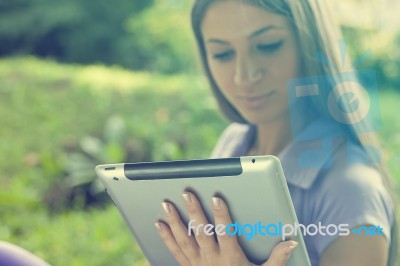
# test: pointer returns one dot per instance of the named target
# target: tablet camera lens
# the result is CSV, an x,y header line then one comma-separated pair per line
x,y
254,160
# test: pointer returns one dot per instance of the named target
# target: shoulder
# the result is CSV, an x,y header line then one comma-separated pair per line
x,y
233,136
352,192
353,189
351,171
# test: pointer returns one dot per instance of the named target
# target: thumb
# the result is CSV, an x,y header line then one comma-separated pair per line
x,y
281,253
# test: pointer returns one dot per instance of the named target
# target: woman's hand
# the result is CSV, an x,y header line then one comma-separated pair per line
x,y
202,249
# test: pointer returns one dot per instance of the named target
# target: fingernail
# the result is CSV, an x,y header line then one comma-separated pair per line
x,y
187,198
290,249
167,209
216,203
158,226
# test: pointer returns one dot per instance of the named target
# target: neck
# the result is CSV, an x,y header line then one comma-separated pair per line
x,y
273,136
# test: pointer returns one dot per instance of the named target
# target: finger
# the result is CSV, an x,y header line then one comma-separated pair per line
x,y
226,242
170,242
281,253
185,242
198,222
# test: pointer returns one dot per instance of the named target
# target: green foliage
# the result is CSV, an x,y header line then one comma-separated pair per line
x,y
134,34
81,184
163,36
70,30
94,237
371,48
390,132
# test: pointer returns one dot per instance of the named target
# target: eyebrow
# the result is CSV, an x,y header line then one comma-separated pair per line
x,y
252,35
264,29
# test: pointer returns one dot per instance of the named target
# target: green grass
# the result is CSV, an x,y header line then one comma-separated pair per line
x,y
390,131
95,237
46,108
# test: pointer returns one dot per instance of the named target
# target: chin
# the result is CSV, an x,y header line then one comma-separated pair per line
x,y
259,117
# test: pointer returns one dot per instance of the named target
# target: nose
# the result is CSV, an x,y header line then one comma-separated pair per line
x,y
247,72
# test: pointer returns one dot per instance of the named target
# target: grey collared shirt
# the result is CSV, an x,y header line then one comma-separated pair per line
x,y
330,180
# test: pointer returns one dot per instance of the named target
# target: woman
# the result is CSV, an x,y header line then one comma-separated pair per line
x,y
254,52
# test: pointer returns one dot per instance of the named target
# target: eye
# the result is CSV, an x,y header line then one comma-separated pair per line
x,y
223,56
269,47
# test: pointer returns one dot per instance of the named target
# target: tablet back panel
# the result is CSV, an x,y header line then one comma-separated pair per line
x,y
254,188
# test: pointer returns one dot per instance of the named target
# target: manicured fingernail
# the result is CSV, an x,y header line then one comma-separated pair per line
x,y
158,226
290,249
216,203
167,209
187,198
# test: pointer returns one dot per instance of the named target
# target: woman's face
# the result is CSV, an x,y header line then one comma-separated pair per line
x,y
251,54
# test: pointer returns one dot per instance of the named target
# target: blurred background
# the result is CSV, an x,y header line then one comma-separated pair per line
x,y
90,82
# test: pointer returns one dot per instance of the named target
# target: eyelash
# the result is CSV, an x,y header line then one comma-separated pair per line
x,y
223,56
264,48
271,47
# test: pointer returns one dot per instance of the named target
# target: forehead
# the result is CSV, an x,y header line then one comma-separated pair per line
x,y
232,19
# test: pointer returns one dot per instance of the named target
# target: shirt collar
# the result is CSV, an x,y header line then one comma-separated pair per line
x,y
311,151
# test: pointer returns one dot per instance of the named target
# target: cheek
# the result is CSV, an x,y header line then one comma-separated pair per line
x,y
283,70
289,66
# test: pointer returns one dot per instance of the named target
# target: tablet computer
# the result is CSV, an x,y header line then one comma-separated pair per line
x,y
254,187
